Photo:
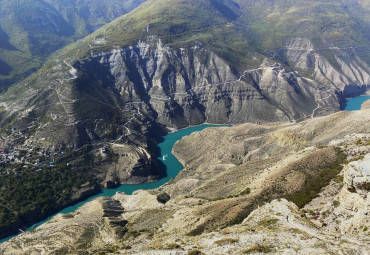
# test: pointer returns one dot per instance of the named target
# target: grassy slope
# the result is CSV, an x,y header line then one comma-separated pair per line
x,y
326,23
31,34
236,30
239,30
86,15
30,30
240,33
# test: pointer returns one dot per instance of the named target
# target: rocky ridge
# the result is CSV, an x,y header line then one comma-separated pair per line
x,y
336,221
121,86
109,91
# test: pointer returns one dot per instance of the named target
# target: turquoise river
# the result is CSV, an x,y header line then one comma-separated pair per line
x,y
172,165
355,103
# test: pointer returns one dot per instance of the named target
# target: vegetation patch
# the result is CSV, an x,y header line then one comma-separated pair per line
x,y
339,179
267,222
86,238
30,194
109,249
197,231
226,241
362,143
173,246
132,234
259,248
316,178
247,191
336,203
195,252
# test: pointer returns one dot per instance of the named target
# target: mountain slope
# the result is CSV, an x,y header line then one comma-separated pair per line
x,y
190,62
265,26
183,62
223,201
31,30
86,16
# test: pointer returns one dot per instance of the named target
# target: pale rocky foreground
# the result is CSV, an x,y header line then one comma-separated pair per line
x,y
211,212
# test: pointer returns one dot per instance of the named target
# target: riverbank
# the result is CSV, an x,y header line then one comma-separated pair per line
x,y
228,172
170,165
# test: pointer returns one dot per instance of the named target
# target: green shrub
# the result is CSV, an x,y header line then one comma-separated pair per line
x,y
339,179
336,203
259,248
247,191
173,246
267,222
314,183
197,231
226,241
195,252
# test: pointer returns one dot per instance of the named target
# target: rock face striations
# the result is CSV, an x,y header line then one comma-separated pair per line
x,y
153,82
152,72
193,85
101,104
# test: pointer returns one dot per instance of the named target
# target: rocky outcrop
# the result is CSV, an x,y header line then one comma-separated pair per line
x,y
121,98
131,164
117,93
127,88
194,85
249,164
98,225
173,87
357,176
343,70
349,211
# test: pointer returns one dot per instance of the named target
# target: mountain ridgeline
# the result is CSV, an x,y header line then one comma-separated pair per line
x,y
30,30
187,62
177,63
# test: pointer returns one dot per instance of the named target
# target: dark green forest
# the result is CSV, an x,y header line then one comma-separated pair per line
x,y
27,195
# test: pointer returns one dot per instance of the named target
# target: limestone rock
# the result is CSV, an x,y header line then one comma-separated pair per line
x,y
366,105
357,176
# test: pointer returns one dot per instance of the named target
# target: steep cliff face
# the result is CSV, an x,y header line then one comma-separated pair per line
x,y
184,62
192,85
138,70
344,71
348,211
115,94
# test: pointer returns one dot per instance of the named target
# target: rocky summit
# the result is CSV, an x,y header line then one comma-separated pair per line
x,y
289,176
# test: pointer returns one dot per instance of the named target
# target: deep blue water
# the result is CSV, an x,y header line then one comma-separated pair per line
x,y
172,165
354,104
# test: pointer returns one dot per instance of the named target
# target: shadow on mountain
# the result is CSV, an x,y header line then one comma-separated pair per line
x,y
4,44
225,10
5,69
